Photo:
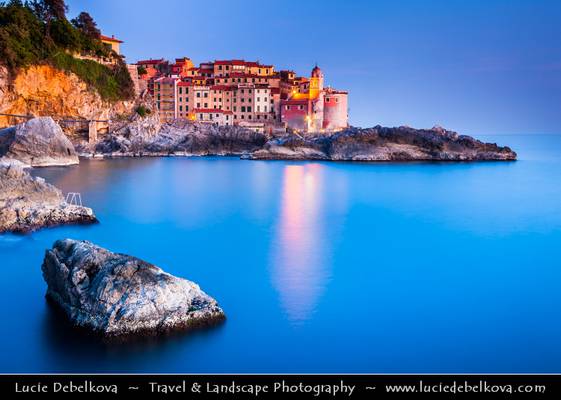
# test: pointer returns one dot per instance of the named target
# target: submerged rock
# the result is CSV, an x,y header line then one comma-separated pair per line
x,y
38,142
383,144
28,203
116,294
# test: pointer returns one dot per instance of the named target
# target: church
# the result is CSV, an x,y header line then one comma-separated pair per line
x,y
311,107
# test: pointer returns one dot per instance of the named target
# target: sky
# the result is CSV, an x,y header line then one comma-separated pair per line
x,y
473,66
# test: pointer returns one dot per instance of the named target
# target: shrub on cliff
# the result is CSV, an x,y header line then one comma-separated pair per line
x,y
39,33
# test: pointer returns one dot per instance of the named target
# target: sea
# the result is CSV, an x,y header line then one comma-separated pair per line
x,y
416,267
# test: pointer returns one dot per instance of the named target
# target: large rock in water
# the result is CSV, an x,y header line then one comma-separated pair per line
x,y
38,142
28,203
384,144
115,294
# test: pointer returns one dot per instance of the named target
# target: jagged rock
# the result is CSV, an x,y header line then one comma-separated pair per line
x,y
116,294
28,203
383,144
38,142
181,137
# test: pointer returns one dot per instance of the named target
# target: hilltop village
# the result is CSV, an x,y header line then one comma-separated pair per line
x,y
243,93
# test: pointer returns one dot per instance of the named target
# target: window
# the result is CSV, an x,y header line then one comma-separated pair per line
x,y
198,94
258,108
206,105
287,107
198,105
249,110
327,99
206,94
243,108
180,108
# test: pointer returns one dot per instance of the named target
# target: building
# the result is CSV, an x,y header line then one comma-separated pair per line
x,y
165,95
245,93
112,43
310,107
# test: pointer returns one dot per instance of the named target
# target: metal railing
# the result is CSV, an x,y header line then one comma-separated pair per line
x,y
73,199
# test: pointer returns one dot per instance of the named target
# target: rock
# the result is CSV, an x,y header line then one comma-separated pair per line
x,y
181,137
45,90
383,144
28,203
116,294
38,142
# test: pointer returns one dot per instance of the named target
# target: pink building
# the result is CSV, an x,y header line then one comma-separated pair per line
x,y
309,107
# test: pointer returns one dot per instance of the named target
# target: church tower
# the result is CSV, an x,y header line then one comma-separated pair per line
x,y
316,83
316,98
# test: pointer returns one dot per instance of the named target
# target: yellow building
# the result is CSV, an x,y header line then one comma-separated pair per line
x,y
112,43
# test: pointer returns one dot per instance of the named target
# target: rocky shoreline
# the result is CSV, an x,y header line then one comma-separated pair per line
x,y
384,144
117,295
185,139
28,203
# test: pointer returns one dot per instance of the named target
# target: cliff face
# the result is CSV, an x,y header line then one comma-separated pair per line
x,y
42,90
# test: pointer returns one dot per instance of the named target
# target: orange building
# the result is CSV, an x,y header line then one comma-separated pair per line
x,y
246,93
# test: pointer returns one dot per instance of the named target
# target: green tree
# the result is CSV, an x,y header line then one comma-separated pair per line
x,y
86,24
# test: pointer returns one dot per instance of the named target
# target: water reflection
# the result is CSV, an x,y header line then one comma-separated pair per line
x,y
299,254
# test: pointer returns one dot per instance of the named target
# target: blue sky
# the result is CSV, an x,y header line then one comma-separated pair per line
x,y
478,67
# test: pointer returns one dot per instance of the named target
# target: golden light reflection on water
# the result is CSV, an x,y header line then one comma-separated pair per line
x,y
298,265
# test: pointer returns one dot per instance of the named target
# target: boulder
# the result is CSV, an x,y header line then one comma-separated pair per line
x,y
28,203
38,142
115,294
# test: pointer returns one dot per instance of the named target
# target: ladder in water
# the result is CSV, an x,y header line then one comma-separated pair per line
x,y
74,199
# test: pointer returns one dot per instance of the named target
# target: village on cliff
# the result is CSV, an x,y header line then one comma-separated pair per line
x,y
239,92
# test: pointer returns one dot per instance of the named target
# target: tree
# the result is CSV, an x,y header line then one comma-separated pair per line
x,y
47,10
85,23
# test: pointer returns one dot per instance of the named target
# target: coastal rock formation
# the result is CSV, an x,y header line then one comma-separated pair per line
x,y
182,137
38,142
28,203
44,90
116,294
383,144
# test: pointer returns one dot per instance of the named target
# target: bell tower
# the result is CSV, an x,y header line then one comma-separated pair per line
x,y
316,98
316,83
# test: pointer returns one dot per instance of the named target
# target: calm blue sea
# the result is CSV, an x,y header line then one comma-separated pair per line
x,y
320,267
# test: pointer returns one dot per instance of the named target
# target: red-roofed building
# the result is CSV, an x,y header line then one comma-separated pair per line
x,y
111,43
250,94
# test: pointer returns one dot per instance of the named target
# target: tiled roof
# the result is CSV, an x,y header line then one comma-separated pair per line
x,y
110,39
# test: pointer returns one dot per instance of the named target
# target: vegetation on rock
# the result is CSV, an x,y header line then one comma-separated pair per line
x,y
38,32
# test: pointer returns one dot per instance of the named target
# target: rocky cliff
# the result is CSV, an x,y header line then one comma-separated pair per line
x,y
28,203
42,90
38,142
145,136
353,144
383,144
116,294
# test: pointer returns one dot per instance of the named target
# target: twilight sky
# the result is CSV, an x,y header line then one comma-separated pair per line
x,y
477,66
